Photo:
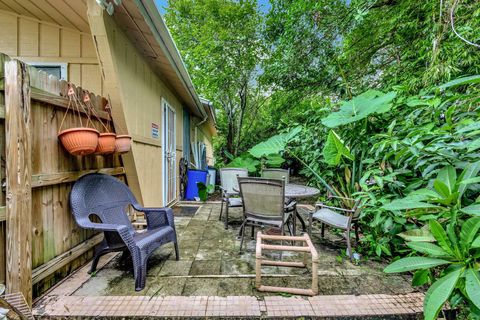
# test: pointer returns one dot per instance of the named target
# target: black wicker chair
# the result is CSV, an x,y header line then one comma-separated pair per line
x,y
107,199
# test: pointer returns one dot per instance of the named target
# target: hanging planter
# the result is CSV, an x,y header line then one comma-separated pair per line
x,y
81,140
106,140
106,143
123,143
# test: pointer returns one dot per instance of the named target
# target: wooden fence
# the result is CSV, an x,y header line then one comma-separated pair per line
x,y
39,240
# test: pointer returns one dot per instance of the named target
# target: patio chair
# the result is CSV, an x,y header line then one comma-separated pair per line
x,y
264,205
276,173
340,218
229,187
101,197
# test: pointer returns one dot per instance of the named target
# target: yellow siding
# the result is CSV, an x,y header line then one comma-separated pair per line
x,y
202,134
33,40
142,94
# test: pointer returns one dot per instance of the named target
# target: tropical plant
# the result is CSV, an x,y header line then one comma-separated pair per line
x,y
450,263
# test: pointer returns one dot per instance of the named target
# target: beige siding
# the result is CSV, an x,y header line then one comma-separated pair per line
x,y
34,40
142,94
202,134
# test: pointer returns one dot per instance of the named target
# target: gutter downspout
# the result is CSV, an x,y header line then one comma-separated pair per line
x,y
198,126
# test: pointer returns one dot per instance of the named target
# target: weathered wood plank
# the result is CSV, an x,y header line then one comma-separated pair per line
x,y
3,216
3,58
18,178
59,101
48,179
65,258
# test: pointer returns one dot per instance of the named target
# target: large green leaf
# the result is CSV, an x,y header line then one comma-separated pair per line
x,y
274,145
360,107
476,243
460,82
472,286
244,162
422,234
274,160
438,293
420,278
414,263
473,209
428,248
441,236
334,149
469,231
474,145
445,183
406,204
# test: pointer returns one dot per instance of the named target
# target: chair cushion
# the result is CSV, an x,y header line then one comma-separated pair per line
x,y
332,218
234,202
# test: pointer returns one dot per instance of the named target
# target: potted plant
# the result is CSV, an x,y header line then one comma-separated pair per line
x,y
81,140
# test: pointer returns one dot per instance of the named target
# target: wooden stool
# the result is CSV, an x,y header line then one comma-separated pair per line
x,y
306,248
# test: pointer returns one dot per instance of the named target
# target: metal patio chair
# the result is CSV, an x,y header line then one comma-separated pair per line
x,y
264,205
229,188
101,197
340,218
276,173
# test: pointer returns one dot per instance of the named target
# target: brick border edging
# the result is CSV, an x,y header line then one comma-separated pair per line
x,y
59,302
234,306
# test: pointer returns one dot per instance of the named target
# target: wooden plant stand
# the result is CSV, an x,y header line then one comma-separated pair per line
x,y
306,249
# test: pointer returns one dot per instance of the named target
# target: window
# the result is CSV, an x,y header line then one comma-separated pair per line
x,y
58,70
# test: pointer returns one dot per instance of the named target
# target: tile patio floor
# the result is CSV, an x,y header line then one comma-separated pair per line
x,y
213,279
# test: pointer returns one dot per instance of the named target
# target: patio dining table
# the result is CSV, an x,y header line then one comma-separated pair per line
x,y
297,191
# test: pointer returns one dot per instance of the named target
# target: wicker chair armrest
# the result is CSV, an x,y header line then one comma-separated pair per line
x,y
123,231
155,216
103,226
321,205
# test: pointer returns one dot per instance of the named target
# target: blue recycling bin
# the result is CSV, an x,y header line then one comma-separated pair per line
x,y
193,177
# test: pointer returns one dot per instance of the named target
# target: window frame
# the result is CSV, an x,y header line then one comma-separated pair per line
x,y
62,65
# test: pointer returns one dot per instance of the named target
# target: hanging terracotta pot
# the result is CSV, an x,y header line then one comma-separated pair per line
x,y
106,143
79,141
123,143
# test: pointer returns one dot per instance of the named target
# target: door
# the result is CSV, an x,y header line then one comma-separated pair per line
x,y
169,155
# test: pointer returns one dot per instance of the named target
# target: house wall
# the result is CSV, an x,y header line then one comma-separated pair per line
x,y
202,134
32,40
142,94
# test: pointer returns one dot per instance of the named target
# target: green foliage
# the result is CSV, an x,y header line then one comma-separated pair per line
x,y
458,259
360,107
334,149
245,161
266,154
221,44
275,144
399,88
203,190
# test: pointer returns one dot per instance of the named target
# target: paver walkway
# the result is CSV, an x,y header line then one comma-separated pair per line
x,y
213,280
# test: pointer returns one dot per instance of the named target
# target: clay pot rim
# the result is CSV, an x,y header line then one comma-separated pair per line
x,y
104,134
77,129
124,136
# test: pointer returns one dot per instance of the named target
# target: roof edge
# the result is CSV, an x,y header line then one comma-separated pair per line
x,y
161,33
